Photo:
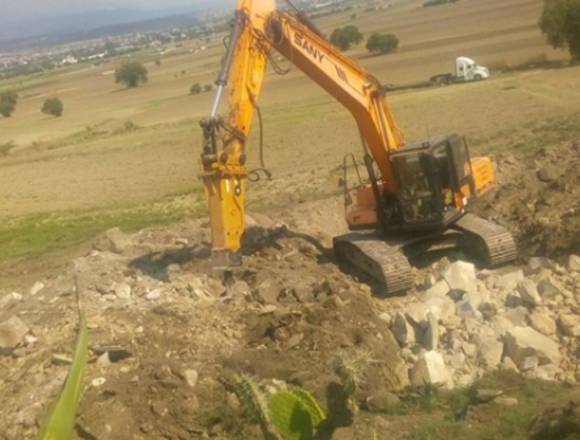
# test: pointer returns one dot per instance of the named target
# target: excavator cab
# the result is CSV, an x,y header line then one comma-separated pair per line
x,y
435,181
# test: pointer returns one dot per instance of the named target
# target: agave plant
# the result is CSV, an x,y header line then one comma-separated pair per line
x,y
60,423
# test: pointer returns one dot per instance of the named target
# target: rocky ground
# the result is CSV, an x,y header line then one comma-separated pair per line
x,y
167,333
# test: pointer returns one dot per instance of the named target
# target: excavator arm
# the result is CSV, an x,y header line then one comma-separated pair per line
x,y
258,27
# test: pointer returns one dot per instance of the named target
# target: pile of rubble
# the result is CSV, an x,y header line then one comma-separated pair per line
x,y
165,330
468,322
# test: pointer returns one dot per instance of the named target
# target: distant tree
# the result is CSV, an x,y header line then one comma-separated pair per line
x,y
8,101
353,17
344,38
111,48
53,106
158,63
560,22
208,88
132,74
382,43
195,89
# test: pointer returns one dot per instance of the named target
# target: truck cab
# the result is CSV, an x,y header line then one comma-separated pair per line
x,y
468,70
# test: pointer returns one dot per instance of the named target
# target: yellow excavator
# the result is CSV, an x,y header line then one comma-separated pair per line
x,y
415,197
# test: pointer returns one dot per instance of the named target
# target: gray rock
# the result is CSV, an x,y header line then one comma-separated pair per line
x,y
239,288
574,263
113,240
501,324
569,325
523,342
267,293
490,351
430,369
549,173
488,310
461,276
439,289
530,363
513,300
417,314
190,377
518,316
507,364
442,307
549,288
12,333
509,281
431,341
38,286
467,309
8,300
537,264
386,318
153,295
529,293
122,290
381,402
543,323
403,331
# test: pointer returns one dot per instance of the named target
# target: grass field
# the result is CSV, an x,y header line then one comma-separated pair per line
x,y
116,153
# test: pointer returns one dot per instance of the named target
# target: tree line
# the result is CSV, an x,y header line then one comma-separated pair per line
x,y
346,37
8,101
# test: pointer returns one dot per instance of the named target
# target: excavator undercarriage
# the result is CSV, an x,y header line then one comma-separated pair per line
x,y
386,260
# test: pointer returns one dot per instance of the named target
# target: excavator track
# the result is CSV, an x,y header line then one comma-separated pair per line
x,y
491,242
374,257
385,259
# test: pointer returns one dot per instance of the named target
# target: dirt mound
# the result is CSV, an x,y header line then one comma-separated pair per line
x,y
538,198
166,333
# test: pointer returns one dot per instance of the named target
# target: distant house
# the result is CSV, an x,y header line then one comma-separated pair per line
x,y
68,60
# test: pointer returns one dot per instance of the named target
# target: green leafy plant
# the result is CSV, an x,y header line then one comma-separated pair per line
x,y
295,414
61,420
8,101
382,43
53,106
131,74
288,413
560,22
346,37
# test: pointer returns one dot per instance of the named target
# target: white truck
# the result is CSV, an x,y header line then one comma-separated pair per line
x,y
465,70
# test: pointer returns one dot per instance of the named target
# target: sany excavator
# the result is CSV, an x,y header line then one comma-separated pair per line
x,y
416,195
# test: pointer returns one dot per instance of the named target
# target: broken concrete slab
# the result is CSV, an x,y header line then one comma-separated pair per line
x,y
543,322
403,331
549,288
431,339
537,264
518,316
431,369
461,276
529,293
439,289
569,325
509,281
523,342
490,351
